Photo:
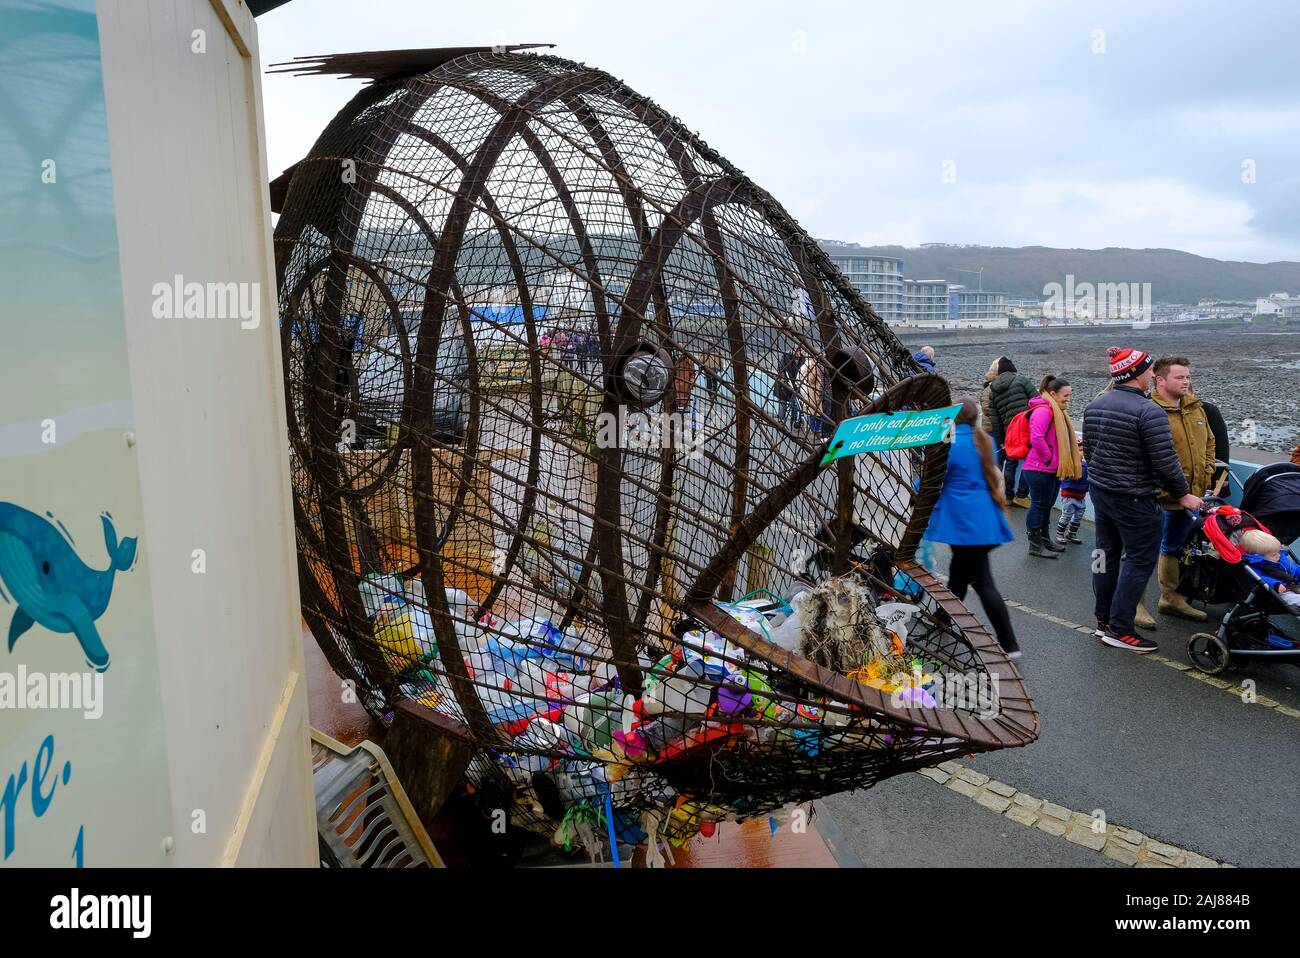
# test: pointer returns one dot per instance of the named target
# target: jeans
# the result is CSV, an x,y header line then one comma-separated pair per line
x,y
1130,526
970,567
1043,487
1009,468
790,411
1173,531
1072,511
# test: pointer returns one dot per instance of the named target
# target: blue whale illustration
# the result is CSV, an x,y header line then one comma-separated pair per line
x,y
51,584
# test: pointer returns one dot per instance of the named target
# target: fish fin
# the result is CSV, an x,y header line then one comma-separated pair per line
x,y
110,535
19,624
125,557
82,625
121,554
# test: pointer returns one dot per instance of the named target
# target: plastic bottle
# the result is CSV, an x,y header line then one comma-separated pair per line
x,y
380,591
680,692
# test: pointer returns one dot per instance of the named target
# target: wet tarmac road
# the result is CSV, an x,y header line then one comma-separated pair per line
x,y
1156,750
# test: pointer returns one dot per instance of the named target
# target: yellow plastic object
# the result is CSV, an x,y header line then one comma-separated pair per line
x,y
396,634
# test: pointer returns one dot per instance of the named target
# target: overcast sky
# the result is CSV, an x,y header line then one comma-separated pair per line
x,y
999,123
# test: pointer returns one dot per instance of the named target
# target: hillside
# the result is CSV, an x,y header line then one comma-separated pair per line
x,y
1175,276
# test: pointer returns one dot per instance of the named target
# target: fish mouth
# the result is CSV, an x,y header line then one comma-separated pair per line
x,y
75,618
91,644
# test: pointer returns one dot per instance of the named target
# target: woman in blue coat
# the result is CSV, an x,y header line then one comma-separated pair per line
x,y
969,517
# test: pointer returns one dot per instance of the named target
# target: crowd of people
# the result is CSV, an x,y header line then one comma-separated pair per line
x,y
1150,451
1147,454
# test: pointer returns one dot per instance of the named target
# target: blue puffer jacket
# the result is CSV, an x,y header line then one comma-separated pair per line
x,y
1129,447
1282,572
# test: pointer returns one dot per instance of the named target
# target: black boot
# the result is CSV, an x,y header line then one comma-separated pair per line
x,y
1036,545
1048,542
1073,534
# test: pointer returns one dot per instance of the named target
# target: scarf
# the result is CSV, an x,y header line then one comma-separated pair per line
x,y
1069,465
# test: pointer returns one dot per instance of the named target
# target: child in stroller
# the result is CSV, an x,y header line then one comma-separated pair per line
x,y
1232,557
1274,565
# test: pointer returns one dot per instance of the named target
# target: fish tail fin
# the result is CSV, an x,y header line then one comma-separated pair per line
x,y
122,554
124,558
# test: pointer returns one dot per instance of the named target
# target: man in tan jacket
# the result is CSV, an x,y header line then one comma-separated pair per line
x,y
1194,443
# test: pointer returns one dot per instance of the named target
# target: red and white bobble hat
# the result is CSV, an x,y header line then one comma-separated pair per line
x,y
1127,363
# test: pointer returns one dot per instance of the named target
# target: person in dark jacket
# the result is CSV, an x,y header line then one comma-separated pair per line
x,y
787,388
1222,451
924,357
1009,395
1131,457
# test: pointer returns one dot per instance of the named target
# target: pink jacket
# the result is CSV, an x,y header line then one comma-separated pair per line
x,y
1043,455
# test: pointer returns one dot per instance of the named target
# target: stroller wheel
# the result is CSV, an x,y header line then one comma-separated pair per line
x,y
1208,653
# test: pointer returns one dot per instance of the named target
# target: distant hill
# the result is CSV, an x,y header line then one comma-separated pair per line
x,y
1175,276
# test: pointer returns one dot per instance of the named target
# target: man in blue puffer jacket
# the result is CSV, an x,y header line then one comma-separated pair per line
x,y
1131,457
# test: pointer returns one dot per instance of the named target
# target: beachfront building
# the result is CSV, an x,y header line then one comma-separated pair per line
x,y
1282,305
878,278
977,309
1025,311
925,303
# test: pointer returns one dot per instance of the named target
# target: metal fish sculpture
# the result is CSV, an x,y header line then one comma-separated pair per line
x,y
560,381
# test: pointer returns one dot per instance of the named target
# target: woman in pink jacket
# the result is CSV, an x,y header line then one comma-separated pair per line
x,y
1046,410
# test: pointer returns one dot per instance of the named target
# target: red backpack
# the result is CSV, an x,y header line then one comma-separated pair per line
x,y
1017,438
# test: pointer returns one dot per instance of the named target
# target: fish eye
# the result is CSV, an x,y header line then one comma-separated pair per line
x,y
45,567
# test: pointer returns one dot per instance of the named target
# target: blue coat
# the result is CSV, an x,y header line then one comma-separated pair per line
x,y
966,514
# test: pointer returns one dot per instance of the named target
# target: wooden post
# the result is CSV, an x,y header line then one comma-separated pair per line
x,y
430,753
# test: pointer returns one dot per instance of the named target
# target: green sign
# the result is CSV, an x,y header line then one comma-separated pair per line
x,y
899,430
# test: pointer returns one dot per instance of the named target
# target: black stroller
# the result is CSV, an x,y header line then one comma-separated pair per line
x,y
1213,572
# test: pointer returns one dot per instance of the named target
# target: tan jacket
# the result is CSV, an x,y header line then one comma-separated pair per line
x,y
810,387
1193,441
985,395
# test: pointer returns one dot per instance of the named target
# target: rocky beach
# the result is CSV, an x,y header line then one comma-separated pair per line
x,y
1251,373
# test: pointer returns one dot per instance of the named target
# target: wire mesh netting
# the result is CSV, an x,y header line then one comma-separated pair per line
x,y
559,382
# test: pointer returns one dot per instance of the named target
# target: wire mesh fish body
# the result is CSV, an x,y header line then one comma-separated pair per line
x,y
559,381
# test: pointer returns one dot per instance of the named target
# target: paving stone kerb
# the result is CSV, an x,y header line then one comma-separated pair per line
x,y
1117,842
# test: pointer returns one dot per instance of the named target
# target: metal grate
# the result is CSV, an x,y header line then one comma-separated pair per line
x,y
363,819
